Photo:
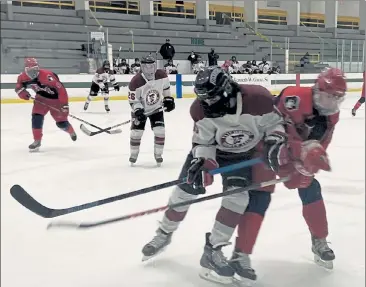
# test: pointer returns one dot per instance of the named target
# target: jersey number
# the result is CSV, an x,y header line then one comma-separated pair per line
x,y
131,96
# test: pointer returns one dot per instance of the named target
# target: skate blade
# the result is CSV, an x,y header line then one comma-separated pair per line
x,y
34,150
212,276
158,164
327,265
242,281
145,258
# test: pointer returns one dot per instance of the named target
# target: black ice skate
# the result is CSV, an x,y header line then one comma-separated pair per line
x,y
159,159
107,108
353,112
323,255
73,136
86,105
34,147
157,244
133,159
215,266
244,272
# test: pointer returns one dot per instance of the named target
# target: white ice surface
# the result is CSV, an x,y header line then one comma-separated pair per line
x,y
67,173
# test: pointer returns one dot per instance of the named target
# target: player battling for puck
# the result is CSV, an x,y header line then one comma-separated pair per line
x,y
149,96
51,96
100,83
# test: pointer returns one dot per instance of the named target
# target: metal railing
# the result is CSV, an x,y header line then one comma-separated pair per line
x,y
50,4
127,7
170,9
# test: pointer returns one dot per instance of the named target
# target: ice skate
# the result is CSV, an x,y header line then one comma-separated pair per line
x,y
73,136
353,112
244,273
86,105
323,255
215,266
133,159
157,245
106,107
34,147
159,159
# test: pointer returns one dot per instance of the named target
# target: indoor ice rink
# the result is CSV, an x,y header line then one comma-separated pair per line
x,y
66,173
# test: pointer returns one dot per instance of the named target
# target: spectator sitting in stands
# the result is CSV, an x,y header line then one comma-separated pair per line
x,y
255,68
263,66
227,66
212,58
123,67
135,67
167,50
199,65
247,68
170,68
192,58
235,66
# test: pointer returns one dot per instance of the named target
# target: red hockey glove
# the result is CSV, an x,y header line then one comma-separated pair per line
x,y
310,157
24,95
198,175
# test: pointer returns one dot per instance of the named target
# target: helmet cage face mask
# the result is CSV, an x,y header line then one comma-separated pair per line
x,y
32,72
149,70
326,103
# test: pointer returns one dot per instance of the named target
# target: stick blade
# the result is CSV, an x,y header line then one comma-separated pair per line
x,y
24,198
115,131
85,130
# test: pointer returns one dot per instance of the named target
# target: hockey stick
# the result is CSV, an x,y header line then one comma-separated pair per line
x,y
74,225
112,128
25,199
70,115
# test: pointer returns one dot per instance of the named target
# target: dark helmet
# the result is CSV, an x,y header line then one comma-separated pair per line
x,y
212,82
214,88
148,67
106,64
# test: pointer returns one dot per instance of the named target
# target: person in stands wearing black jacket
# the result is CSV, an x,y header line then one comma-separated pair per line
x,y
167,50
212,58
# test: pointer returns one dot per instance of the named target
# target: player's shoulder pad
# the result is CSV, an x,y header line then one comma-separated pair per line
x,y
136,82
296,100
196,111
160,74
257,100
22,77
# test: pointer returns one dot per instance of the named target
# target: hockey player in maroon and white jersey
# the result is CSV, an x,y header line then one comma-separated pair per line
x,y
51,96
100,83
149,96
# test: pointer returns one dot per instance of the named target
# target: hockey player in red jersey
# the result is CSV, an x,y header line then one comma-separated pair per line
x,y
311,114
51,96
360,100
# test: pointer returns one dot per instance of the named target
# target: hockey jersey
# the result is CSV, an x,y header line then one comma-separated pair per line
x,y
102,76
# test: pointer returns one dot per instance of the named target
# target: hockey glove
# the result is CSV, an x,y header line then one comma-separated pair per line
x,y
140,115
116,87
169,104
105,89
24,94
198,175
311,158
276,153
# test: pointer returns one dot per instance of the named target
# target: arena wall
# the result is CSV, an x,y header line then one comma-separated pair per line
x,y
182,85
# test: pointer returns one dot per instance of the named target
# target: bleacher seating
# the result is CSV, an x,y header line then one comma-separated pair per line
x,y
55,37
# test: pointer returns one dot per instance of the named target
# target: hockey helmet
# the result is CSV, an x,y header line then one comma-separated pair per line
x,y
329,90
148,67
106,65
31,67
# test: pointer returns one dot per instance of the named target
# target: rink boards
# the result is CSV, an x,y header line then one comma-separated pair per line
x,y
181,85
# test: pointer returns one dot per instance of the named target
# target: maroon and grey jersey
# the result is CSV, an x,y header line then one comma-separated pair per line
x,y
148,95
102,76
256,118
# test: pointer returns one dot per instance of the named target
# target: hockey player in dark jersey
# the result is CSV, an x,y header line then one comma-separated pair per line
x,y
51,96
100,83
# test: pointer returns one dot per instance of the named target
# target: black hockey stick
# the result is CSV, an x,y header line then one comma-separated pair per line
x,y
74,225
70,115
25,199
110,130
